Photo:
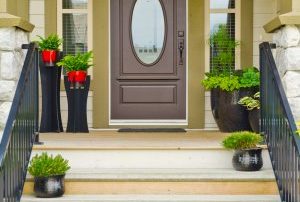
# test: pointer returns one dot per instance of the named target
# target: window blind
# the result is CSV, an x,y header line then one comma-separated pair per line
x,y
74,33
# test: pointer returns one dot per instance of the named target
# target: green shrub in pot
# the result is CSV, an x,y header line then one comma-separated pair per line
x,y
247,155
48,172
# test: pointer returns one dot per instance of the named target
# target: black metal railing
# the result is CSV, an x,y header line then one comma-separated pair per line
x,y
278,126
20,130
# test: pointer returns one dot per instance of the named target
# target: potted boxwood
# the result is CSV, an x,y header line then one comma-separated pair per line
x,y
247,155
228,85
48,172
76,67
252,104
49,48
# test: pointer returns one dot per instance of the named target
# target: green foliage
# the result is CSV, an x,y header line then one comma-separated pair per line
x,y
298,126
230,82
44,165
81,61
225,82
250,77
242,140
52,42
251,102
223,59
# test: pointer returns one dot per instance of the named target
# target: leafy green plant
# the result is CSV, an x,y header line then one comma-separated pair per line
x,y
222,59
251,102
45,165
242,140
249,77
81,61
52,42
298,126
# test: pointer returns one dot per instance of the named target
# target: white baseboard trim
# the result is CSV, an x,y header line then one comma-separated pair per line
x,y
149,122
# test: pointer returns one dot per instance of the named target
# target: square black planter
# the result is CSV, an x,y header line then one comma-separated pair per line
x,y
50,83
77,106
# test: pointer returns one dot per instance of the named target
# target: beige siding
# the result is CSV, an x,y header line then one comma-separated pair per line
x,y
36,17
263,11
209,119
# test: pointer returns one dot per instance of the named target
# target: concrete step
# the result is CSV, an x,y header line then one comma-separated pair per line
x,y
157,198
107,150
166,181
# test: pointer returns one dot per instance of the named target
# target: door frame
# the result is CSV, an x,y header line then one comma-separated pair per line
x,y
171,122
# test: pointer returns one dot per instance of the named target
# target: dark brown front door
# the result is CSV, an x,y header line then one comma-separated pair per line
x,y
148,59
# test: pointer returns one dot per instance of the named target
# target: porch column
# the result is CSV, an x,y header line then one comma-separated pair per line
x,y
13,33
287,59
286,29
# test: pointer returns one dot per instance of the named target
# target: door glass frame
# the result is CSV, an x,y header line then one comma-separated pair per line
x,y
149,122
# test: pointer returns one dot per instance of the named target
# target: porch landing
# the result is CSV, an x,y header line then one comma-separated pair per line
x,y
137,140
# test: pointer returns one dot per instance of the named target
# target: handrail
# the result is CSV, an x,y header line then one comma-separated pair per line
x,y
20,130
278,126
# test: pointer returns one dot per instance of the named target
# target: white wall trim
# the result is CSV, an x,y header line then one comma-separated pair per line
x,y
180,122
148,122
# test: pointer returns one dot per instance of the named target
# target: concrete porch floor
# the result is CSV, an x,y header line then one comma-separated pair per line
x,y
137,140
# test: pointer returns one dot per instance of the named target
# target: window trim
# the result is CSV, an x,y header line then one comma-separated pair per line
x,y
89,12
237,11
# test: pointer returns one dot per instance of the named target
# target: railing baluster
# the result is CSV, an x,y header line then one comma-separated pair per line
x,y
278,125
19,132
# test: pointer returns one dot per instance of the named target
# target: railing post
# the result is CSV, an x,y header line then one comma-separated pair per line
x,y
36,68
1,185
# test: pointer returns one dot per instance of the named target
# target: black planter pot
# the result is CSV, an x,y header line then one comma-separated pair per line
x,y
228,114
254,116
49,187
50,83
248,159
77,106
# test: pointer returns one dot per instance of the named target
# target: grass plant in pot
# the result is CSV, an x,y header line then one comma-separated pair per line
x,y
247,155
76,67
48,172
49,48
252,104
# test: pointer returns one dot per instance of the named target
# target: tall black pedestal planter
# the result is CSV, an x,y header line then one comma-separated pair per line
x,y
51,116
228,114
77,106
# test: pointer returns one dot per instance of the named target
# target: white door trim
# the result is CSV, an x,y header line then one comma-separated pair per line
x,y
139,122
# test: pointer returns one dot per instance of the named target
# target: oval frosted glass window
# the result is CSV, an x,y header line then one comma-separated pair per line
x,y
148,30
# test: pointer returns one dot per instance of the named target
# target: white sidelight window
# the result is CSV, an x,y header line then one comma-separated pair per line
x,y
74,21
227,13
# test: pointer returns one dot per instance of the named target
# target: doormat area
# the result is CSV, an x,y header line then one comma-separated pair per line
x,y
155,130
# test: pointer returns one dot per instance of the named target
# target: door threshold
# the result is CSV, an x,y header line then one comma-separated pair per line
x,y
175,122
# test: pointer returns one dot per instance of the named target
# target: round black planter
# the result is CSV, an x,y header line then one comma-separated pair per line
x,y
254,116
247,160
77,106
49,187
228,114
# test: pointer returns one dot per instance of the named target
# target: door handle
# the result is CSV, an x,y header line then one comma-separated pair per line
x,y
181,48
